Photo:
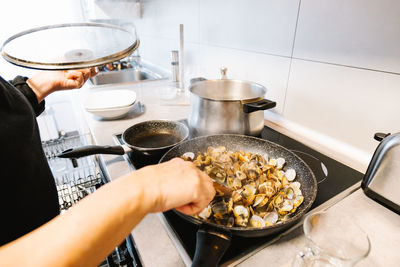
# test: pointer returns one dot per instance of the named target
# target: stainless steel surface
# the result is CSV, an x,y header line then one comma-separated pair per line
x,y
217,107
181,60
223,73
227,90
175,65
383,173
69,46
145,73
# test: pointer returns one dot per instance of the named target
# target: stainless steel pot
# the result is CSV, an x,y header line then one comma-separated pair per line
x,y
227,106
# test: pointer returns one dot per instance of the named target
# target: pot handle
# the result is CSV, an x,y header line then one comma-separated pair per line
x,y
210,247
262,104
380,136
195,80
91,150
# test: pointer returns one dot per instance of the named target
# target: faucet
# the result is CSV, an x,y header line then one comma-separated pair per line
x,y
135,58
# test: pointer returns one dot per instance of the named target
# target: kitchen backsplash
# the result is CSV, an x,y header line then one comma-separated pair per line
x,y
332,66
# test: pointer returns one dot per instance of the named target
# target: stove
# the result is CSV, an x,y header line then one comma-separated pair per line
x,y
335,181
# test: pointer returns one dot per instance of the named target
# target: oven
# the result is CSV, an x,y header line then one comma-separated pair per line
x,y
335,181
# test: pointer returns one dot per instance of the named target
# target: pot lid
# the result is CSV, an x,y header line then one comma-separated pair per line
x,y
69,46
228,90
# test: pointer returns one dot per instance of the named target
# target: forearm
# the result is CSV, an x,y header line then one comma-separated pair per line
x,y
87,233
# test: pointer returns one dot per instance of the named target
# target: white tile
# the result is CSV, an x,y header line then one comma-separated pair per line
x,y
269,71
162,18
266,26
350,32
158,51
347,104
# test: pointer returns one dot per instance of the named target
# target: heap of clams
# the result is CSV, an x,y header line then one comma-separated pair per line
x,y
264,191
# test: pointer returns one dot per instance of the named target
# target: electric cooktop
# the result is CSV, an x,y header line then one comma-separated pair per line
x,y
334,180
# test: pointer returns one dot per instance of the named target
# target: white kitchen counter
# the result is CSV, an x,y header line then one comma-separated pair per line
x,y
157,249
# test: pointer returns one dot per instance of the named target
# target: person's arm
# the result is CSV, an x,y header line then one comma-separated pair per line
x,y
88,232
47,82
19,83
40,85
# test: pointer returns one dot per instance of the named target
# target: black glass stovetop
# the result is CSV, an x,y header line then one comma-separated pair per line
x,y
332,176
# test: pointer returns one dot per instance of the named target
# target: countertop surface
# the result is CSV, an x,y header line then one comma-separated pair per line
x,y
155,246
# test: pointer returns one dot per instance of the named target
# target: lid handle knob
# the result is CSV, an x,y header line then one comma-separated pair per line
x,y
223,73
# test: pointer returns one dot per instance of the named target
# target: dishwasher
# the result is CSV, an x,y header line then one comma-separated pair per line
x,y
77,178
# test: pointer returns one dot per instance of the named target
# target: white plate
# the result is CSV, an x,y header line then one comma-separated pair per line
x,y
110,99
111,113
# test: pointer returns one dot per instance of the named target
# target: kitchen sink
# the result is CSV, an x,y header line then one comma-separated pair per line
x,y
131,75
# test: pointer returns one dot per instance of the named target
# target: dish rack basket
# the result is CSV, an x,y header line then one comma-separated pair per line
x,y
74,178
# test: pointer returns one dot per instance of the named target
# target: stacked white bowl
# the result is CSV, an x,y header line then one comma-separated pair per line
x,y
110,104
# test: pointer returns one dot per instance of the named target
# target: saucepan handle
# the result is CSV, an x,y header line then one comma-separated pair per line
x,y
210,247
195,80
91,150
262,104
380,136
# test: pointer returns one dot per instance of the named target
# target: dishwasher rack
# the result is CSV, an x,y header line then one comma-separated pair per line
x,y
74,178
77,178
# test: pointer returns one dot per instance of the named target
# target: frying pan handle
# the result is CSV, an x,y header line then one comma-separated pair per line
x,y
91,150
210,247
262,104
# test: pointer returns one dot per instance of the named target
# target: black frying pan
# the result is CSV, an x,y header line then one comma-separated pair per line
x,y
213,239
150,139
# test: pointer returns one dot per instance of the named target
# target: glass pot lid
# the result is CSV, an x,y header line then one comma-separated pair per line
x,y
69,46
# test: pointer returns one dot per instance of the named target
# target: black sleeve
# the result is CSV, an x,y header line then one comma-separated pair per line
x,y
20,83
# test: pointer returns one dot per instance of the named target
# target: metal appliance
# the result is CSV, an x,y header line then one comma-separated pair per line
x,y
381,181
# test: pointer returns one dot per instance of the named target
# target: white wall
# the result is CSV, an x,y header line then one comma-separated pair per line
x,y
333,66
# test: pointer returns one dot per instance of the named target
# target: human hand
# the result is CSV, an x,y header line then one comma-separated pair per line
x,y
176,184
47,82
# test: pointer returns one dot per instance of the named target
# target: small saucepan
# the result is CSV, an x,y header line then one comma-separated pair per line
x,y
150,139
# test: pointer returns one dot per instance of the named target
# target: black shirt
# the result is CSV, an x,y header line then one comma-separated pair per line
x,y
28,195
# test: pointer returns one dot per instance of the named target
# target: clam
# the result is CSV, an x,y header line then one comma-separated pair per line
x,y
188,156
256,221
240,175
267,188
290,174
280,162
219,209
271,218
234,183
205,213
241,214
249,190
296,188
260,200
252,174
206,161
278,200
289,192
272,162
230,222
298,200
286,206
237,195
217,174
